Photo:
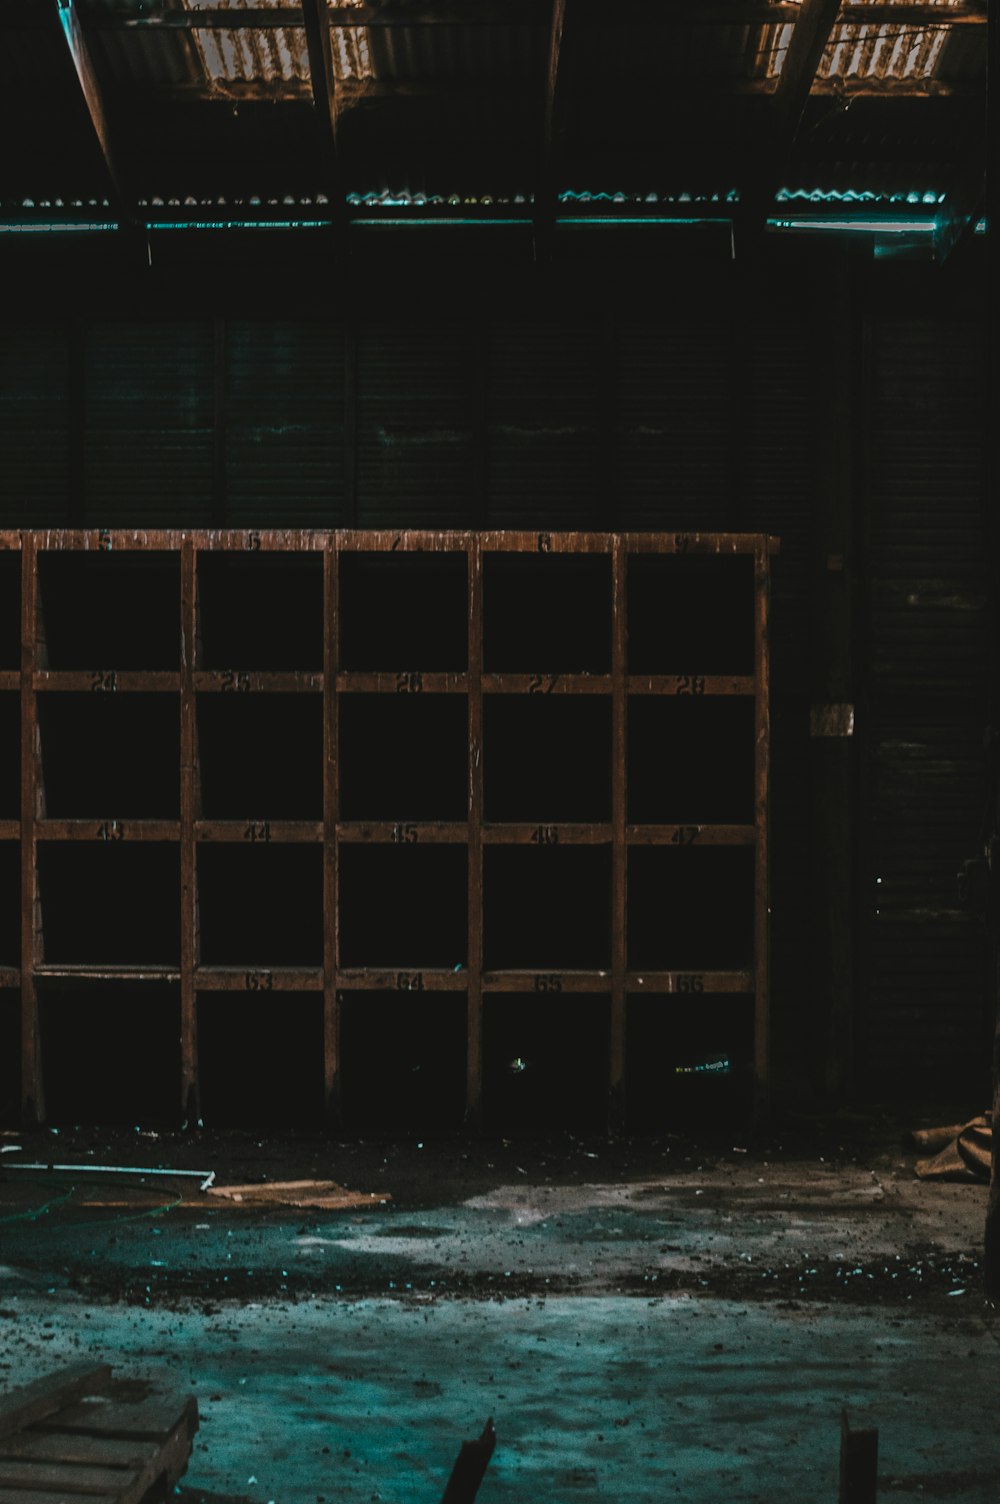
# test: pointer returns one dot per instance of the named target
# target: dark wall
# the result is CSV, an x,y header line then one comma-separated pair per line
x,y
614,389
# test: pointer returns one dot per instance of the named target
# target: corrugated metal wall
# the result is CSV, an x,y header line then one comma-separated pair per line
x,y
609,419
923,956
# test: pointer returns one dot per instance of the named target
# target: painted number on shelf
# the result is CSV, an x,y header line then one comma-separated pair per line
x,y
409,981
548,981
545,835
542,684
690,684
257,830
253,542
111,830
691,983
105,541
258,981
405,835
409,684
681,542
104,680
685,835
233,681
544,543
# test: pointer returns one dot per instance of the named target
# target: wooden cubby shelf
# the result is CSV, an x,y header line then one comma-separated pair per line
x,y
443,771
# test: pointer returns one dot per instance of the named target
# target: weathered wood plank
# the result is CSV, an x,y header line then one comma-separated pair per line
x,y
151,1419
34,1402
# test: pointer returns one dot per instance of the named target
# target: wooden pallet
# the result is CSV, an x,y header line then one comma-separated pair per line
x,y
79,1434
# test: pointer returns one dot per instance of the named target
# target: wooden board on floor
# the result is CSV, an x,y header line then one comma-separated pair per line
x,y
81,1436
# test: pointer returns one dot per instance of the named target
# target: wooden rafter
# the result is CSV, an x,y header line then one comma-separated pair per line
x,y
315,19
69,22
545,191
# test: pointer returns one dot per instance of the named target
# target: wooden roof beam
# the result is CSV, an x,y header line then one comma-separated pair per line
x,y
545,190
323,83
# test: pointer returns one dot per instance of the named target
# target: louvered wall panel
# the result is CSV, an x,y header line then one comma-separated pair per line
x,y
149,414
34,424
285,423
674,425
415,451
924,1020
544,416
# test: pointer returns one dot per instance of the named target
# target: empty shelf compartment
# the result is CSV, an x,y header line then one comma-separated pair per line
x,y
260,1059
547,758
547,613
10,1056
546,908
110,755
403,907
110,611
690,614
545,1062
404,612
685,1065
115,904
690,908
260,611
261,905
10,611
111,1053
261,756
403,1060
404,757
10,903
690,759
10,755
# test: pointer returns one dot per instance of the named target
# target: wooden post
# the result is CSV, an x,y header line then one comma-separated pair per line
x,y
470,1467
474,1005
619,850
32,1088
331,849
858,1464
762,927
190,1096
832,695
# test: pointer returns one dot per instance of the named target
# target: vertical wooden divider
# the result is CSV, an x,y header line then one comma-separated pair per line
x,y
474,1015
190,1091
32,1086
762,1016
619,850
331,850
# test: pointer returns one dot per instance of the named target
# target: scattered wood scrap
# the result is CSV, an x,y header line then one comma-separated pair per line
x,y
80,1432
323,1194
470,1467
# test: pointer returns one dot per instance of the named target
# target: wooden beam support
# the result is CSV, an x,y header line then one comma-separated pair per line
x,y
158,17
316,21
798,76
545,189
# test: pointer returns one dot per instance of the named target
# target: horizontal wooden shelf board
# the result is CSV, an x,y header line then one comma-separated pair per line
x,y
546,981
258,978
411,979
10,830
695,685
690,835
254,832
687,983
531,833
253,681
547,684
10,679
10,976
108,830
392,540
403,833
402,683
99,972
106,681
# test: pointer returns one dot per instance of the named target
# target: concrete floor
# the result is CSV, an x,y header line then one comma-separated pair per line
x,y
652,1321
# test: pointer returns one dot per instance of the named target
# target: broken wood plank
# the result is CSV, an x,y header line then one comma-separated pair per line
x,y
151,1419
64,1477
35,1402
63,1446
858,1464
470,1467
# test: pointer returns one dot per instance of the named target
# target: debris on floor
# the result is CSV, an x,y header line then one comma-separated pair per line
x,y
962,1151
319,1194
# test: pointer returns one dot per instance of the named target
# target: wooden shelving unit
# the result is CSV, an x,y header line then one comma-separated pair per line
x,y
414,763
